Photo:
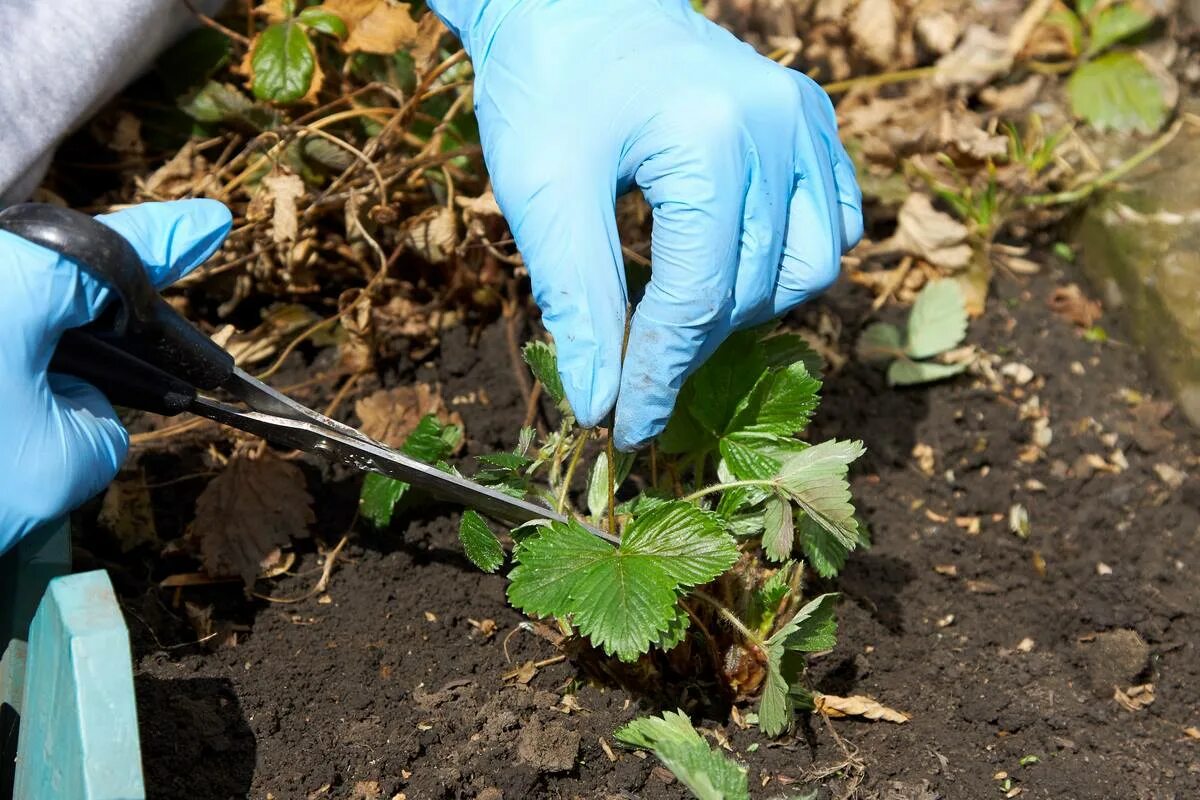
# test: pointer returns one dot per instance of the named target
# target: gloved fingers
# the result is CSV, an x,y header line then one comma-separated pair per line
x,y
696,186
824,216
69,446
173,238
849,194
812,248
562,216
92,432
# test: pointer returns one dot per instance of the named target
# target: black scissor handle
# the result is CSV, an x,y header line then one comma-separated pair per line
x,y
144,326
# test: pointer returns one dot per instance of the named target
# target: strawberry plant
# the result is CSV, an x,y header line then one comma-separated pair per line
x,y
707,535
936,324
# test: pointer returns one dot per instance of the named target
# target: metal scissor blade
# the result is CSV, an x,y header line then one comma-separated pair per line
x,y
361,452
261,397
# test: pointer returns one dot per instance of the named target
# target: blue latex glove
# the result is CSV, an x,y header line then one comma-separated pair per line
x,y
754,197
60,440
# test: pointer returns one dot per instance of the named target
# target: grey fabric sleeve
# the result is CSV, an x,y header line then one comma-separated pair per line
x,y
60,60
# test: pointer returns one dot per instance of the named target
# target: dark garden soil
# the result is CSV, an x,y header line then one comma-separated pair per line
x,y
1000,647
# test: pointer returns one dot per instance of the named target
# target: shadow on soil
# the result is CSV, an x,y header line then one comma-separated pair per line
x,y
197,724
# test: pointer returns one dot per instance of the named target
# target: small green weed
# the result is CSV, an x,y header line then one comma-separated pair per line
x,y
936,324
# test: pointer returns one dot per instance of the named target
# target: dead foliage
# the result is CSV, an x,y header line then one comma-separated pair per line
x,y
248,513
390,415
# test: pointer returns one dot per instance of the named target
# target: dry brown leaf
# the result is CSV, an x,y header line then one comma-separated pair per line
x,y
1070,303
187,173
980,57
478,211
927,233
1147,430
1015,97
856,706
356,352
375,26
522,674
127,512
1135,698
1192,732
271,10
432,234
125,137
390,415
283,191
247,513
938,31
214,634
279,324
962,131
873,26
429,35
366,790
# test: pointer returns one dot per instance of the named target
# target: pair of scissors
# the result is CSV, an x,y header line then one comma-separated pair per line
x,y
142,354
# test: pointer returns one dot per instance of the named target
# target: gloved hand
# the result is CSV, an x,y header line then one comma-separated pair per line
x,y
60,440
754,197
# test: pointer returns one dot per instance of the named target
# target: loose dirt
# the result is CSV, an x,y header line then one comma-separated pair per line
x,y
1003,649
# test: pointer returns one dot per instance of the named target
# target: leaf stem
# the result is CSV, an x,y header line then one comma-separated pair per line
x,y
882,79
1112,176
731,618
721,487
612,484
566,484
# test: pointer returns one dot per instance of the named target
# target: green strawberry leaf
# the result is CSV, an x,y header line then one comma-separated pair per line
x,y
785,349
282,63
825,553
811,629
781,404
815,479
903,372
717,387
880,342
430,442
746,461
1115,23
938,320
543,361
322,19
708,773
779,532
479,543
1117,91
597,494
623,599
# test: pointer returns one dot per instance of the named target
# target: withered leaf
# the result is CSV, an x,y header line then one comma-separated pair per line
x,y
127,513
873,26
927,233
432,234
376,26
186,174
1147,429
980,57
390,415
1135,698
1070,303
284,191
247,513
856,706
